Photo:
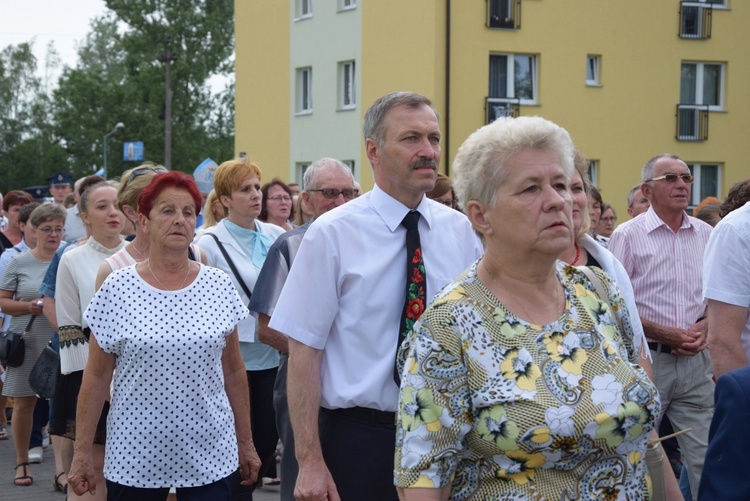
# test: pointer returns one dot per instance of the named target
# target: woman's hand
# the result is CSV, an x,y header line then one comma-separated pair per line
x,y
249,463
81,476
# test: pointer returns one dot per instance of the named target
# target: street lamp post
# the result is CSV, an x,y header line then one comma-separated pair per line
x,y
119,126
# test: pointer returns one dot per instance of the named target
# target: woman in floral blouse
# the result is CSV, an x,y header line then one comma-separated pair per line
x,y
519,382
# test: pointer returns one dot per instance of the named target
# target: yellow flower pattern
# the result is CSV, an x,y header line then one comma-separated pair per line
x,y
501,409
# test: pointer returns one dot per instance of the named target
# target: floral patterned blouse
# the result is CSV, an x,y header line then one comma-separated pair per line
x,y
506,410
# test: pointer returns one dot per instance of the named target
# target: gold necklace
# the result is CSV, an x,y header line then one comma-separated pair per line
x,y
148,265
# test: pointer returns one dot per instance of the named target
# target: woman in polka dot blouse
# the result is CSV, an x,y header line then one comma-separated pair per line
x,y
166,327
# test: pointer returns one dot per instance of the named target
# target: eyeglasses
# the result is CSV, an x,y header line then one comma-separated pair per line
x,y
280,199
608,219
672,178
332,193
449,203
143,170
47,230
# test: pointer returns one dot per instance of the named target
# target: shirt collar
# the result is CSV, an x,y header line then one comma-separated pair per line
x,y
392,211
653,221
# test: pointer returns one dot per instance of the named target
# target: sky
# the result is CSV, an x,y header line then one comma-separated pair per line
x,y
65,22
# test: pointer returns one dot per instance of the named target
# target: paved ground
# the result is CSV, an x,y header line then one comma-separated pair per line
x,y
43,474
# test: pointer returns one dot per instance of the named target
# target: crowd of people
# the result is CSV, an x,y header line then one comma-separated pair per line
x,y
491,336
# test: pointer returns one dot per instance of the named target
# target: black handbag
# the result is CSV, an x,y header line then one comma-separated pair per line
x,y
13,346
43,376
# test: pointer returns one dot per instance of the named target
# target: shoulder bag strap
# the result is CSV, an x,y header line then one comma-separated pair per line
x,y
232,266
598,285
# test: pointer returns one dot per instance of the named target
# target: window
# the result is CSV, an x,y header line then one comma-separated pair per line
x,y
347,4
347,87
696,17
504,14
304,91
592,71
303,9
702,84
594,172
513,76
350,164
706,183
299,172
701,91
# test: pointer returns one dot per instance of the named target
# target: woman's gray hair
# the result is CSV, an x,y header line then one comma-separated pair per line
x,y
479,166
47,212
323,163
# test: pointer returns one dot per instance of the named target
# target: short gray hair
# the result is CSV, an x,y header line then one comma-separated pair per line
x,y
479,166
647,173
47,212
631,194
324,163
374,128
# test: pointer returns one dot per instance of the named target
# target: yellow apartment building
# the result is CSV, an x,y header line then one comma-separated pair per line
x,y
627,79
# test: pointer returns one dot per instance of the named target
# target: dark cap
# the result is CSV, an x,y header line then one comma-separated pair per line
x,y
38,192
60,179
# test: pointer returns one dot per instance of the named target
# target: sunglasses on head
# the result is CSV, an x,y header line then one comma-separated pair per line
x,y
143,170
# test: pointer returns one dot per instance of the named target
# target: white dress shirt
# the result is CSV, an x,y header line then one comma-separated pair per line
x,y
347,287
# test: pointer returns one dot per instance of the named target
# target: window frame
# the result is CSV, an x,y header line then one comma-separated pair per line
x,y
594,62
593,172
511,80
303,81
696,168
299,172
303,10
347,5
699,84
347,69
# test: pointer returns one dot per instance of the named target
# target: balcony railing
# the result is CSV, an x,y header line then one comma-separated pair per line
x,y
496,107
695,20
692,122
504,14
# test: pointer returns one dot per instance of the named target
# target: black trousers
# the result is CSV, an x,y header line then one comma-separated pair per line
x,y
263,421
359,455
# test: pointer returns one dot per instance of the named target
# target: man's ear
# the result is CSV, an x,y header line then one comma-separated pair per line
x,y
373,151
647,190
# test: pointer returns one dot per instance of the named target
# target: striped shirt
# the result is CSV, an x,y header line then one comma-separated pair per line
x,y
665,267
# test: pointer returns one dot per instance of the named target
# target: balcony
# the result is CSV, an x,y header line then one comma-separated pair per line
x,y
695,20
504,14
692,122
496,107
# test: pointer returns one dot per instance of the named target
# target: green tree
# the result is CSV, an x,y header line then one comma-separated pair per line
x,y
120,77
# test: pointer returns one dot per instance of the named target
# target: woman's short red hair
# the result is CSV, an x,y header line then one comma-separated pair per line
x,y
162,181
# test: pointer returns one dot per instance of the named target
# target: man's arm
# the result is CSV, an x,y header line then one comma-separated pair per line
x,y
726,322
270,336
314,481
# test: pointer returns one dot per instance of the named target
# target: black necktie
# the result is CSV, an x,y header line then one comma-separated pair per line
x,y
416,295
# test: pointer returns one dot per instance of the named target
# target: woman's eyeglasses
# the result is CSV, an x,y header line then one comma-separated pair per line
x,y
449,203
280,199
332,193
143,170
672,178
48,230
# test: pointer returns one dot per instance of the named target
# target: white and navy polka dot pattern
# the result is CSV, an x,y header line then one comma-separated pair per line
x,y
170,422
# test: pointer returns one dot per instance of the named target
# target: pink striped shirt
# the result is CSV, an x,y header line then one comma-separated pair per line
x,y
664,266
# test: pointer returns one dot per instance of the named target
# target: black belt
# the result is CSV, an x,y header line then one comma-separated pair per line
x,y
371,416
660,347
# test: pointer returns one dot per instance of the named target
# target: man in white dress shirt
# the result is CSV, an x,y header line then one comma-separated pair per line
x,y
342,303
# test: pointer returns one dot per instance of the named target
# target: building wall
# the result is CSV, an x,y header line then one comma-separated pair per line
x,y
262,84
322,41
630,117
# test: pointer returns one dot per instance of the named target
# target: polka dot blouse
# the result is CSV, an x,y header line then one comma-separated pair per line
x,y
170,422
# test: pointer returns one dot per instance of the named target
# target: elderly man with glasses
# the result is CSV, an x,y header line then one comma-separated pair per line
x,y
662,252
